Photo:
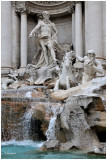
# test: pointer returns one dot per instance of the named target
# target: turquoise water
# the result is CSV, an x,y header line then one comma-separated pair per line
x,y
28,150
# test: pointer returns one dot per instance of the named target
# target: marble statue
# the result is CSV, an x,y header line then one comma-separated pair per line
x,y
47,36
66,79
92,66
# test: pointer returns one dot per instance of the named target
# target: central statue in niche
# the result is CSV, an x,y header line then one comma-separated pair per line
x,y
47,35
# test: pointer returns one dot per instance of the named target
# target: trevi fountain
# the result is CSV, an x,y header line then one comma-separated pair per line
x,y
53,80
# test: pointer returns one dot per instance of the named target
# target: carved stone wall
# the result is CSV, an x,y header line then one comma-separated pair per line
x,y
64,27
95,28
6,35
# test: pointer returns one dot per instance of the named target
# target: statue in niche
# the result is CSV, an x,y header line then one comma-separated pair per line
x,y
66,79
47,36
51,72
92,66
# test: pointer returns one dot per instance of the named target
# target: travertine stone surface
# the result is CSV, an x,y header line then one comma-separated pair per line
x,y
104,29
64,27
73,29
23,40
15,38
78,29
93,27
6,35
88,88
32,44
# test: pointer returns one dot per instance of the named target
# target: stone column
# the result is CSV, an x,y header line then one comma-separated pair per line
x,y
23,39
93,26
73,28
78,29
6,35
15,38
104,29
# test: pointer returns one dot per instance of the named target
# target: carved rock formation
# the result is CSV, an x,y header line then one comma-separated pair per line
x,y
82,123
94,86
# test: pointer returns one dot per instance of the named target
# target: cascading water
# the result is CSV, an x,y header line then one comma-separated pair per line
x,y
50,133
28,94
17,110
26,122
18,119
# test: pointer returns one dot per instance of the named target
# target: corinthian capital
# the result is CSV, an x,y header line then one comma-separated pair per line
x,y
71,9
22,10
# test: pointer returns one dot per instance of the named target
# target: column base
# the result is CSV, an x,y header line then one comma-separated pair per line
x,y
5,71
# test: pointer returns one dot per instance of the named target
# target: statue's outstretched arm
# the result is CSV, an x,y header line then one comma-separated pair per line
x,y
99,67
79,58
34,30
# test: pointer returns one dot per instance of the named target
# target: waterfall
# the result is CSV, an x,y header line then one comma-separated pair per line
x,y
50,133
26,122
18,115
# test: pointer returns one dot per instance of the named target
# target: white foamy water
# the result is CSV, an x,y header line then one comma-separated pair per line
x,y
50,133
22,143
26,122
28,94
56,110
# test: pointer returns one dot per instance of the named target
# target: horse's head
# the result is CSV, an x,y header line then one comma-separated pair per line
x,y
69,58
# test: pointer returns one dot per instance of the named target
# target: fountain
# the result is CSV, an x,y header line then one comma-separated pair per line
x,y
50,133
46,104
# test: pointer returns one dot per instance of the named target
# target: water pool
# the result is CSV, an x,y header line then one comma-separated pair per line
x,y
29,150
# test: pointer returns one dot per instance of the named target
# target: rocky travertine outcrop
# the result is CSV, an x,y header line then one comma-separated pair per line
x,y
74,128
96,85
82,123
76,131
80,117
